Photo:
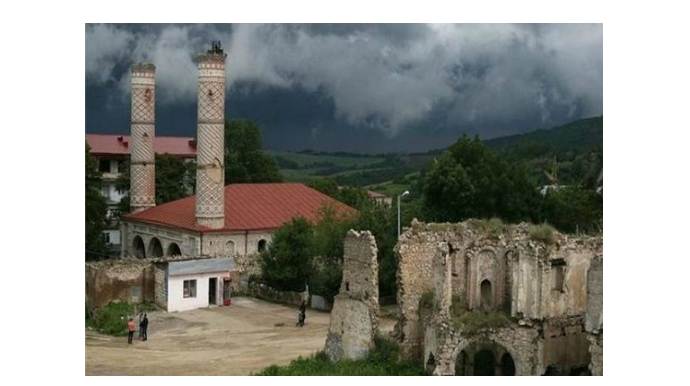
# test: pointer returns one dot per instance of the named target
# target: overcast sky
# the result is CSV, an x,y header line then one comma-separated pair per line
x,y
366,88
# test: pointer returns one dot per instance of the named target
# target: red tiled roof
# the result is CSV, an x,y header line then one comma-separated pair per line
x,y
247,207
106,144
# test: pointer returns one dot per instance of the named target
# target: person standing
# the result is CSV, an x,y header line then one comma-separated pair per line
x,y
144,327
141,321
302,312
131,328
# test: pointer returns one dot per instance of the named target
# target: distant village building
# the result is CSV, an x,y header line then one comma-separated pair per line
x,y
380,198
111,151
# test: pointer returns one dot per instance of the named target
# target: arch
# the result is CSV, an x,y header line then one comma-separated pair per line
x,y
262,246
174,250
230,248
498,348
430,364
486,294
507,365
461,363
484,363
138,247
155,248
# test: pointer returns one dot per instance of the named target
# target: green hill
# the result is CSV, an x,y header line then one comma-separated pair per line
x,y
575,137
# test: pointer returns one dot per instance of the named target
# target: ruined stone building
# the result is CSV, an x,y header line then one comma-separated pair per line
x,y
483,298
355,314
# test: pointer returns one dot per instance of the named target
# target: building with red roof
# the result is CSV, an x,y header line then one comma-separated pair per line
x,y
252,213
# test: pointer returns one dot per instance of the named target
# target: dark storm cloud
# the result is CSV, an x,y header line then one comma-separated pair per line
x,y
324,86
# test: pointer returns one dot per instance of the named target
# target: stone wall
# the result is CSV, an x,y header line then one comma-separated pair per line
x,y
594,320
161,286
354,318
540,286
595,296
415,252
565,344
262,291
131,281
596,351
192,244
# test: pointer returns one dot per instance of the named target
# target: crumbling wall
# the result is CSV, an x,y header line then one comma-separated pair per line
x,y
415,251
539,282
596,352
354,318
565,344
161,286
594,319
131,281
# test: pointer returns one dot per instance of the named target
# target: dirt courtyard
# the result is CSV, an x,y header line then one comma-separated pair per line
x,y
237,340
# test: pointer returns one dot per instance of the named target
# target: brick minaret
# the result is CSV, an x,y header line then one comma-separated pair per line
x,y
210,174
143,131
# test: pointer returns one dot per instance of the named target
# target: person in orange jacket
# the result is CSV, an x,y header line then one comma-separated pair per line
x,y
131,328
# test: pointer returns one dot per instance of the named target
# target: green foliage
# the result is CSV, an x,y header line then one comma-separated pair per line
x,y
353,196
245,162
96,210
383,360
381,221
174,179
112,319
469,181
578,136
458,305
329,234
288,264
326,186
544,233
492,228
326,279
574,209
472,322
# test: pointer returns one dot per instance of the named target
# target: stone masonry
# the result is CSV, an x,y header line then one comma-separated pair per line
x,y
210,175
594,320
143,130
354,318
481,289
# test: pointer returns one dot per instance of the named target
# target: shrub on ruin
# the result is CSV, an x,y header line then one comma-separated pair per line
x,y
544,233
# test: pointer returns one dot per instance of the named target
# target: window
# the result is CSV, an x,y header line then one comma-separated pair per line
x,y
189,288
557,275
104,166
106,237
262,245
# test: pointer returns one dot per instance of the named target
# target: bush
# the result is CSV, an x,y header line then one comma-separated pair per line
x,y
544,233
383,360
475,321
492,228
112,319
325,280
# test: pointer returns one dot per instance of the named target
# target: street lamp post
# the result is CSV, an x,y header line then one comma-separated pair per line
x,y
405,193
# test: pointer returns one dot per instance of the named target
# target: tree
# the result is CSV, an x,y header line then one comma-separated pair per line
x,y
469,181
573,209
96,210
288,263
244,160
175,178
